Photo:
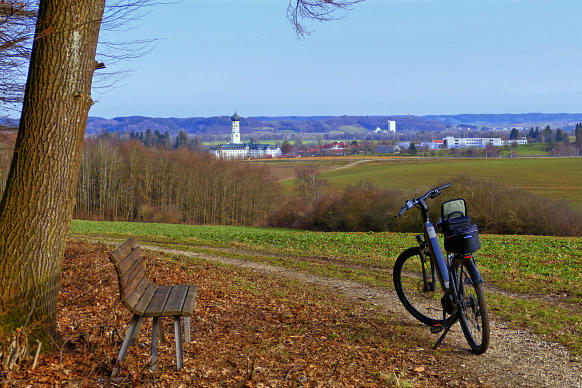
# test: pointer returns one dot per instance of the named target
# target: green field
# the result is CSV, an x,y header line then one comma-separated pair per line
x,y
545,273
534,149
556,178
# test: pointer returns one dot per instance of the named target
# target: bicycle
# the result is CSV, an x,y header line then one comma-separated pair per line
x,y
417,269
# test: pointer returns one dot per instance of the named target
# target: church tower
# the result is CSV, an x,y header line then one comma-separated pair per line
x,y
235,128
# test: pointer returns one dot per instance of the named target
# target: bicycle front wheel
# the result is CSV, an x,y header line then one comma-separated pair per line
x,y
474,317
417,288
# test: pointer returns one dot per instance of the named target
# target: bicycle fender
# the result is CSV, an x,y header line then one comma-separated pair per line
x,y
473,271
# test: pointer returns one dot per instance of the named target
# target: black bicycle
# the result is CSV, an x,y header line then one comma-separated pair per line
x,y
461,295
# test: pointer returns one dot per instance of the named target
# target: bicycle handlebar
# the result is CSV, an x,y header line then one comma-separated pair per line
x,y
432,194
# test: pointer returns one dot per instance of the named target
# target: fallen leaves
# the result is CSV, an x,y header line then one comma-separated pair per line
x,y
248,330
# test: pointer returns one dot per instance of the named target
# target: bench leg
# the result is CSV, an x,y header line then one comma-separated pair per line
x,y
130,336
178,335
187,329
155,333
162,336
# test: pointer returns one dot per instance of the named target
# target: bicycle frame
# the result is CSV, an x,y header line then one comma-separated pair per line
x,y
431,242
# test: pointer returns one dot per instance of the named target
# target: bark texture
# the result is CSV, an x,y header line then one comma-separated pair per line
x,y
37,205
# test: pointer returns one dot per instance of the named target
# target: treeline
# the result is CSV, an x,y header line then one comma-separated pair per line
x,y
495,208
131,182
557,141
157,139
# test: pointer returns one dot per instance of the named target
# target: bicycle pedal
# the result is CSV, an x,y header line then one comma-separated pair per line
x,y
436,329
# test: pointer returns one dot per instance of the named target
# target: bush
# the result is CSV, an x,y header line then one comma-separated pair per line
x,y
291,215
495,208
359,208
500,209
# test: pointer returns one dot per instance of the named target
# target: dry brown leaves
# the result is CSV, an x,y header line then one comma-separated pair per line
x,y
247,330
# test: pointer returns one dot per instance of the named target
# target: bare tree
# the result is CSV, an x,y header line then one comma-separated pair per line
x,y
309,182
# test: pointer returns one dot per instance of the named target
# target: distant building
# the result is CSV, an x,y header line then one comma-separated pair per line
x,y
391,126
523,140
235,128
478,142
237,150
427,145
387,149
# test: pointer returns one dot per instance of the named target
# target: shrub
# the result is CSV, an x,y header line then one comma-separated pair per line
x,y
359,208
501,209
495,208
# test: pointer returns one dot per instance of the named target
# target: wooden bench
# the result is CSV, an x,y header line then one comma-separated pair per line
x,y
146,299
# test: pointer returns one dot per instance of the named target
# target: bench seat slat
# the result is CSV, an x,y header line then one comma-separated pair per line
x,y
188,306
122,251
145,299
175,300
158,302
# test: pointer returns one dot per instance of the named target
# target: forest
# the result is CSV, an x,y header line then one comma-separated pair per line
x,y
127,181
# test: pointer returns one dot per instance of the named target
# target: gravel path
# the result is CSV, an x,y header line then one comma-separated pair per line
x,y
514,358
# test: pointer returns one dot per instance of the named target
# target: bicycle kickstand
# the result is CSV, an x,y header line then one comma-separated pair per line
x,y
447,327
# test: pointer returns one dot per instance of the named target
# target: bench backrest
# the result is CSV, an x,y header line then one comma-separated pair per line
x,y
131,274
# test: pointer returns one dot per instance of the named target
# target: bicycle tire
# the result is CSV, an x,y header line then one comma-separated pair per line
x,y
408,282
474,317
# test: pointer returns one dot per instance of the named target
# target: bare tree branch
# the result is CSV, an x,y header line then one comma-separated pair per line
x,y
318,10
17,21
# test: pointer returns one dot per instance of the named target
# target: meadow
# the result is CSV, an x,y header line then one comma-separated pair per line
x,y
532,149
556,178
532,282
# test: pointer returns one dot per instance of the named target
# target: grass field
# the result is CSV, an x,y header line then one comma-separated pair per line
x,y
556,178
539,278
534,149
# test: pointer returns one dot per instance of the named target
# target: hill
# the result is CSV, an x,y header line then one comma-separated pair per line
x,y
509,119
333,126
256,126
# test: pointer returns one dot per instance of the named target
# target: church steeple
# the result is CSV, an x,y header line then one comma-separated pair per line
x,y
235,128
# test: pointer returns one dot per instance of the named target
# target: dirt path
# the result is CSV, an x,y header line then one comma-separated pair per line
x,y
291,174
352,164
514,358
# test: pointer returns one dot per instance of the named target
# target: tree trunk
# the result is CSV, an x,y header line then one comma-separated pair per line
x,y
37,205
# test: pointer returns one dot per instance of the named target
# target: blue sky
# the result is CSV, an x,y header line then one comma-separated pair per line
x,y
386,57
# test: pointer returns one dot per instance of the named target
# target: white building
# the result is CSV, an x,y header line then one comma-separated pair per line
x,y
523,140
391,126
237,150
235,128
479,142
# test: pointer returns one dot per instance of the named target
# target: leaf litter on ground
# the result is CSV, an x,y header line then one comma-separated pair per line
x,y
248,329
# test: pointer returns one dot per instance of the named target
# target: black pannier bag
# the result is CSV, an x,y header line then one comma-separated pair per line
x,y
461,236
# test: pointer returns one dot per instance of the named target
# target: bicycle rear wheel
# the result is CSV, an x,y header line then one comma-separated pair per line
x,y
418,291
474,317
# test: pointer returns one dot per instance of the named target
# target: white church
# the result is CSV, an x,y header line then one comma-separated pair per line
x,y
237,150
